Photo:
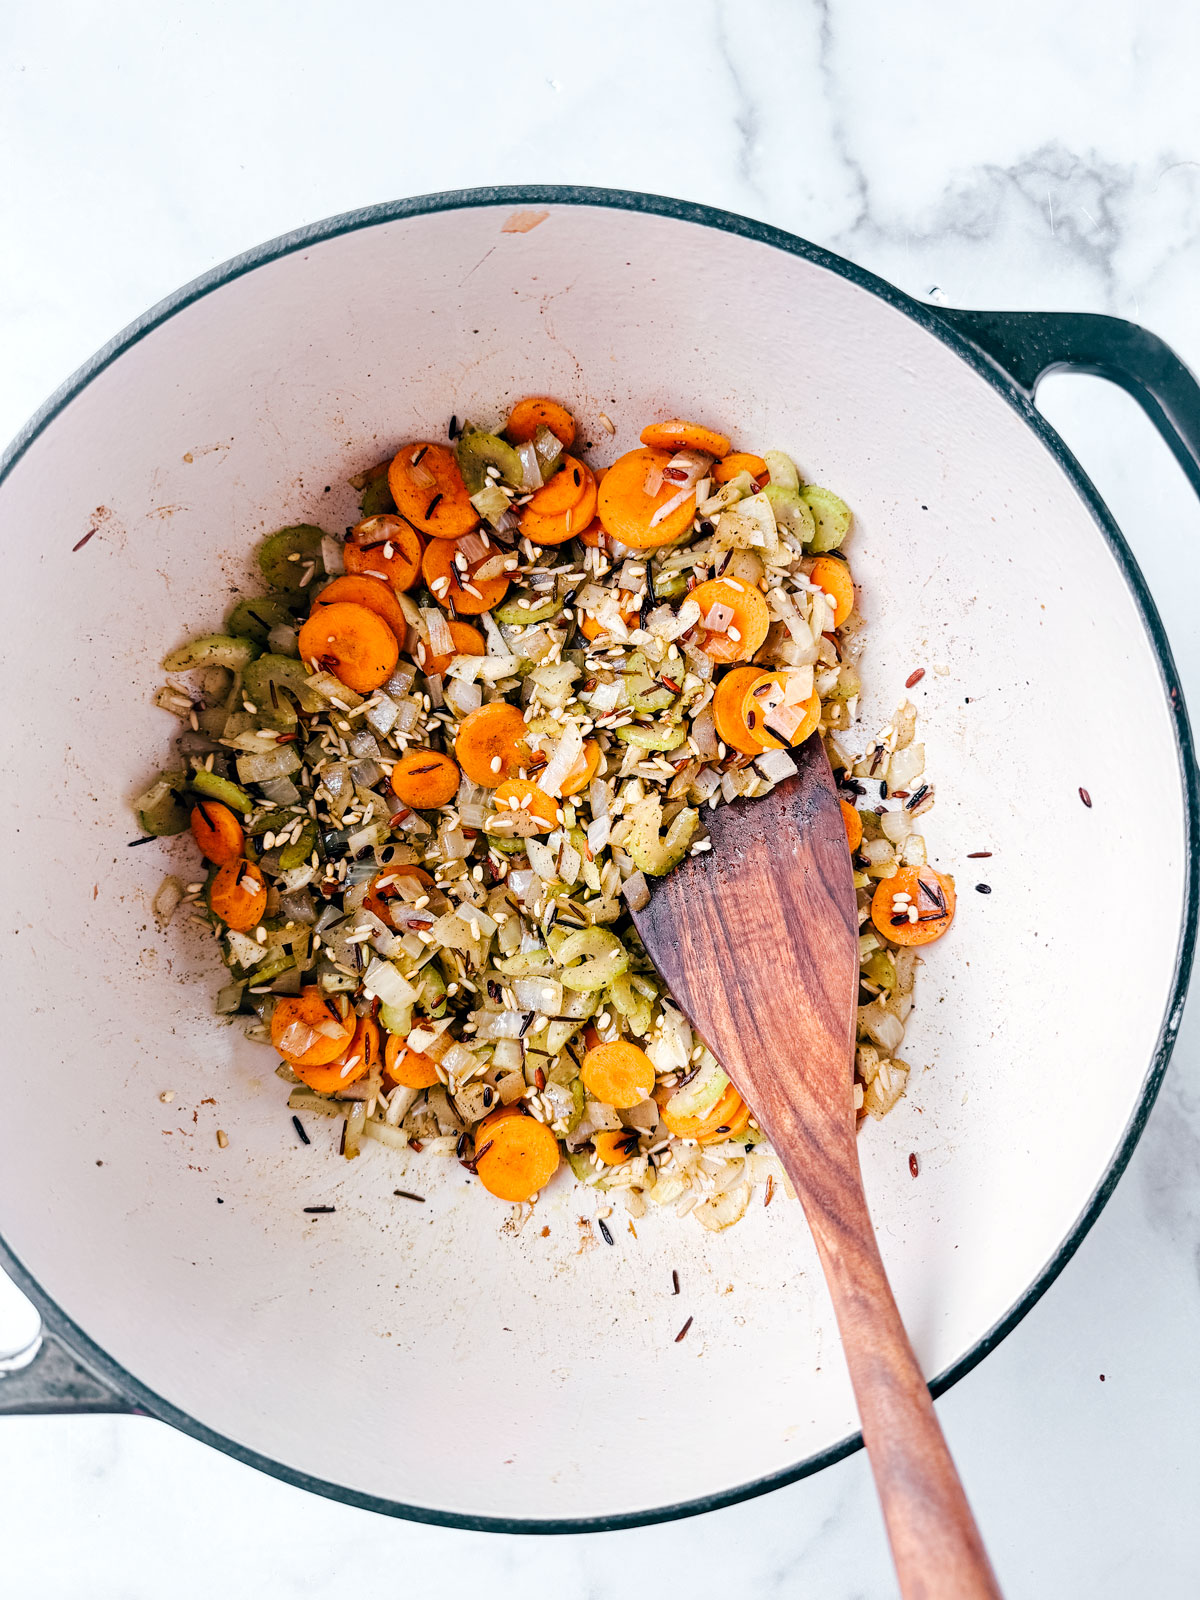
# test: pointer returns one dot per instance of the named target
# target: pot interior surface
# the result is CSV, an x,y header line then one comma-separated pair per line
x,y
441,1354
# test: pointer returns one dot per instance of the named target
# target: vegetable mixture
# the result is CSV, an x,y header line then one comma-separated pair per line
x,y
431,769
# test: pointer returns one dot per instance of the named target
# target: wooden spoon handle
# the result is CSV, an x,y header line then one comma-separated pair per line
x,y
935,1543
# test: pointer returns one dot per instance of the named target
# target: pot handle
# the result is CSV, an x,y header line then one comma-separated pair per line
x,y
1030,344
47,1378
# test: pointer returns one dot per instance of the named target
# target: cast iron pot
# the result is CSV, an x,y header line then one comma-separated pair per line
x,y
434,1360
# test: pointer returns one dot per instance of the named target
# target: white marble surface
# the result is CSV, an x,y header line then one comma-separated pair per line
x,y
1030,155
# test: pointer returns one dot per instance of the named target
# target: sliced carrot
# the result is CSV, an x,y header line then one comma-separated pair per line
x,y
217,832
739,461
751,619
565,489
428,489
425,779
374,593
310,1009
490,746
725,1114
359,1058
729,711
626,510
445,580
383,888
385,547
406,1068
541,806
468,641
932,893
619,1074
594,537
679,435
535,412
584,770
355,644
558,529
591,629
516,1156
238,895
753,714
832,575
615,1145
853,825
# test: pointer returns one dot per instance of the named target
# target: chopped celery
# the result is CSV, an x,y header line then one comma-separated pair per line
x,y
477,451
523,608
831,515
275,552
159,811
212,650
650,851
295,855
218,788
782,469
604,958
664,737
254,617
791,512
375,497
289,680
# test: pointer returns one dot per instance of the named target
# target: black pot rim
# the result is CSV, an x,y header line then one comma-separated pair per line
x,y
145,1400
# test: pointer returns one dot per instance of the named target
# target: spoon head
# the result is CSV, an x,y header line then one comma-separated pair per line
x,y
757,940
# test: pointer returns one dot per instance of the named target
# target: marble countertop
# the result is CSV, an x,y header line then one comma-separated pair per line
x,y
1031,155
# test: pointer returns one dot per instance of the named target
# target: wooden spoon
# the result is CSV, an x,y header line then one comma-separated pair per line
x,y
757,940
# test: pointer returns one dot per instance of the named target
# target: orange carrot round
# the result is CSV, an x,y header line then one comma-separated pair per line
x,y
445,580
557,529
311,1010
832,575
238,895
853,823
619,1074
425,779
529,798
516,1156
739,461
383,888
626,510
490,746
595,536
565,489
406,1068
751,619
385,547
754,714
729,1114
535,412
355,644
429,490
615,1145
584,770
729,711
217,832
468,641
359,1057
679,435
932,894
374,593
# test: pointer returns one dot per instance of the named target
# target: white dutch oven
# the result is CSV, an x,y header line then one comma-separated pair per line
x,y
435,1360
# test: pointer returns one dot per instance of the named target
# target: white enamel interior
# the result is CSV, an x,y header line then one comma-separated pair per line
x,y
433,1354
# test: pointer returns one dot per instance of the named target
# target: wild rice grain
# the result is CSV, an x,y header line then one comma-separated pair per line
x,y
682,1334
604,1233
1086,798
299,1127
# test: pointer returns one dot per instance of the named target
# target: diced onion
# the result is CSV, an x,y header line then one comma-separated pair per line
x,y
718,618
636,891
775,765
566,753
437,631
598,832
464,697
532,478
473,547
